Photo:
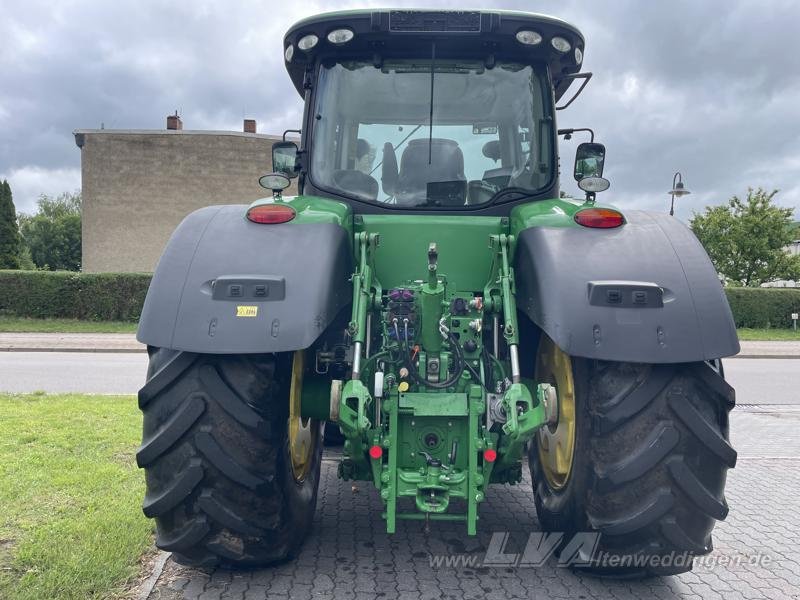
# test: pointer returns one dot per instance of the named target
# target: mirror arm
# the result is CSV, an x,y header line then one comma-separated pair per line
x,y
567,133
585,76
298,131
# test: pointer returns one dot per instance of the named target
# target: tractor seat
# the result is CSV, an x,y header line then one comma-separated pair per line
x,y
440,182
499,176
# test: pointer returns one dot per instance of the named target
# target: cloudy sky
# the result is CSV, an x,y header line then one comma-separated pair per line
x,y
709,88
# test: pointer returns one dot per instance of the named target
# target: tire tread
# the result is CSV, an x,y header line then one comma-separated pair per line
x,y
656,458
171,431
214,452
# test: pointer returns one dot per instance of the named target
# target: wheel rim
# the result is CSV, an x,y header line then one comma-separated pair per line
x,y
301,431
557,442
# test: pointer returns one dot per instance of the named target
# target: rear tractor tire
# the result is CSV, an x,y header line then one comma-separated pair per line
x,y
639,455
232,471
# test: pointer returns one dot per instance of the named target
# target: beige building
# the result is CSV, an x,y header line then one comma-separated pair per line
x,y
139,184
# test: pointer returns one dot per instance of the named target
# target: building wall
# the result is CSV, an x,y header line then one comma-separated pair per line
x,y
139,185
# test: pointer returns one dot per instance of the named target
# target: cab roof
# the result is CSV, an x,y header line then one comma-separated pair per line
x,y
488,34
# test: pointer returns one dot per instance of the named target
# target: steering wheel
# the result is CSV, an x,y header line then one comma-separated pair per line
x,y
357,183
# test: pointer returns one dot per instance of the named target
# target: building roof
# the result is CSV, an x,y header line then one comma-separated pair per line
x,y
80,133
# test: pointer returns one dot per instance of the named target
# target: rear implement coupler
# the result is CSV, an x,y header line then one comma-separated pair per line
x,y
431,415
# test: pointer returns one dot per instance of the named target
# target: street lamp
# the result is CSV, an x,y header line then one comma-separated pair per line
x,y
677,190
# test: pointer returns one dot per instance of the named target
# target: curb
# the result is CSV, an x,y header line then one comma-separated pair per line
x,y
148,584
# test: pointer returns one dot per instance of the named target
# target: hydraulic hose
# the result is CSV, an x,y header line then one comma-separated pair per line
x,y
459,366
412,370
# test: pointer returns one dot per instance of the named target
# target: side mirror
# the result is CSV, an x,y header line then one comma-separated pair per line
x,y
284,158
589,159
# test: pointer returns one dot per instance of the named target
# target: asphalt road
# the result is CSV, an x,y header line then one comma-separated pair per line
x,y
764,380
58,372
757,380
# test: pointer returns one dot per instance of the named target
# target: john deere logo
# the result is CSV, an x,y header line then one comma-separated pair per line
x,y
246,311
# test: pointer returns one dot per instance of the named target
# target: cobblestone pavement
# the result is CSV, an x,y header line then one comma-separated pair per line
x,y
349,555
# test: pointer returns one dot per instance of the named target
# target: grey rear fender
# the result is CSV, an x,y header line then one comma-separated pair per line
x,y
644,292
225,285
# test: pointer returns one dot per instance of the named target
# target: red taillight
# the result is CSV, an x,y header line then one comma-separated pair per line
x,y
375,452
270,214
490,455
603,218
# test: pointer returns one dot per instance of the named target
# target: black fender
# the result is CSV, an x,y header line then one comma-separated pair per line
x,y
225,285
643,292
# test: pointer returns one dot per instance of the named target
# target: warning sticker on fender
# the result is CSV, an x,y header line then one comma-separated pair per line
x,y
246,311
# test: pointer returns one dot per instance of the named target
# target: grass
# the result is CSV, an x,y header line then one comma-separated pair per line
x,y
71,524
25,325
771,335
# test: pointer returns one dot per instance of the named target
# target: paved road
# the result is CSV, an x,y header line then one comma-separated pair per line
x,y
55,372
349,556
757,381
764,380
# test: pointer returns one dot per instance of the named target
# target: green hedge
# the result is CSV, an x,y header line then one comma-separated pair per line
x,y
763,307
64,294
119,297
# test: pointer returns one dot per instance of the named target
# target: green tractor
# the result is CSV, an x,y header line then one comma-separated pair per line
x,y
431,294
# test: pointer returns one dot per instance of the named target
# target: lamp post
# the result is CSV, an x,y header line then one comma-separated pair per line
x,y
677,190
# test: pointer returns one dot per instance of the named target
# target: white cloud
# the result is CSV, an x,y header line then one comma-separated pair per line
x,y
707,88
28,183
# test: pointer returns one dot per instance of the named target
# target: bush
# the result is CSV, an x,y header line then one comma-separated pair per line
x,y
763,307
120,296
64,294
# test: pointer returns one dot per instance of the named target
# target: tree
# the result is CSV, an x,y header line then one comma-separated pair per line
x,y
747,239
9,230
53,234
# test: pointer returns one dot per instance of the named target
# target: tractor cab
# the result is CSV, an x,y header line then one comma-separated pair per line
x,y
429,110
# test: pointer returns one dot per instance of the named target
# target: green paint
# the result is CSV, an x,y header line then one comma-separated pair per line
x,y
315,398
434,405
463,243
525,417
314,209
558,212
363,284
420,425
501,285
434,436
431,308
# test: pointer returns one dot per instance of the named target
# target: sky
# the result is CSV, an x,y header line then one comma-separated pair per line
x,y
710,89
